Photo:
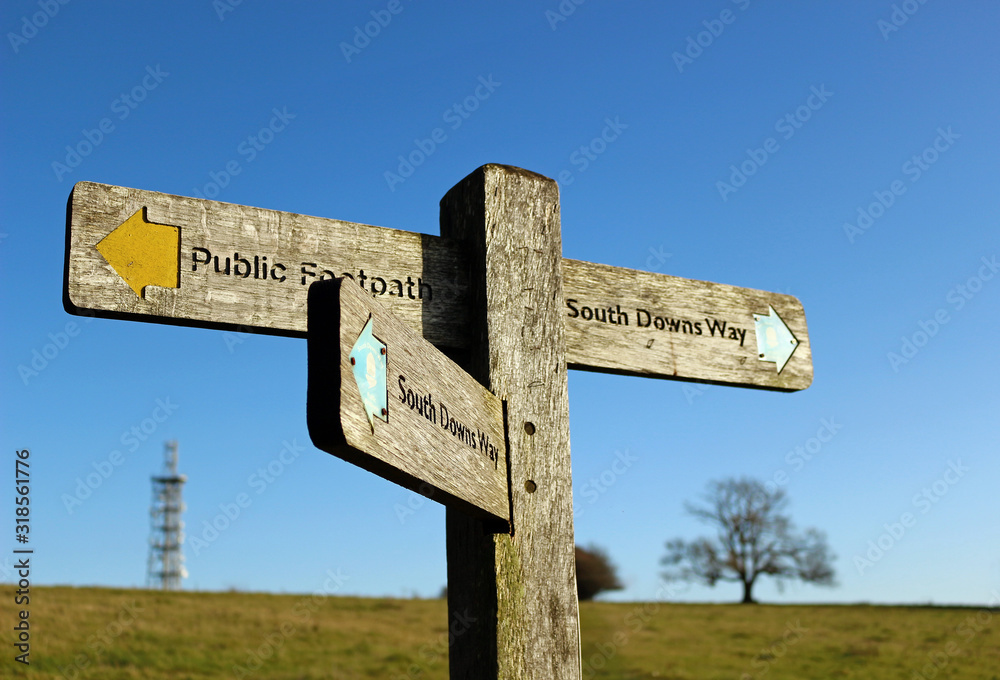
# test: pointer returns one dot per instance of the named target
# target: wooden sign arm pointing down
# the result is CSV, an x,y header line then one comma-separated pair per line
x,y
382,397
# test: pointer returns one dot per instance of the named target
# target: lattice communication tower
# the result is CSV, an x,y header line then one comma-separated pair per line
x,y
166,559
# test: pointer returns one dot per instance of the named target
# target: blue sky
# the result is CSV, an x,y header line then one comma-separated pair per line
x,y
867,132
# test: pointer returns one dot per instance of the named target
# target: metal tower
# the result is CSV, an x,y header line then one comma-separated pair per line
x,y
166,560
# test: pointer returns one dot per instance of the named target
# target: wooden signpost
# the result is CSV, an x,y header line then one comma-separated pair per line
x,y
242,268
156,257
495,290
383,398
626,321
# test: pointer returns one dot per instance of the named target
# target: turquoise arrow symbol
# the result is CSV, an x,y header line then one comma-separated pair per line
x,y
774,341
368,359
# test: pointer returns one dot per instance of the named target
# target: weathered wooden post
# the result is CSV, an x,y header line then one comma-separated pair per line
x,y
517,588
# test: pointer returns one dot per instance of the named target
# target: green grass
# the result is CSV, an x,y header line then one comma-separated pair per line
x,y
110,634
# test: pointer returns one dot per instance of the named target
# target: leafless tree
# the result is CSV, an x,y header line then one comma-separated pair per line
x,y
754,537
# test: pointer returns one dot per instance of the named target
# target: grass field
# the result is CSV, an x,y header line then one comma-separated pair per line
x,y
109,634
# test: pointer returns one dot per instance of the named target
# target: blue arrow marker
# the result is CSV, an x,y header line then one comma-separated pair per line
x,y
368,359
774,341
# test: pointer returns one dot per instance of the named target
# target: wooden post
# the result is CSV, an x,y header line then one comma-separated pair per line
x,y
512,596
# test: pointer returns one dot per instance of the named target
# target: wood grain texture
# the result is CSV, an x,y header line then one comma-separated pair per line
x,y
519,588
208,298
444,436
676,328
213,299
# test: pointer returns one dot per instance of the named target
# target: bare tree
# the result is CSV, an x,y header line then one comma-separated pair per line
x,y
755,537
594,573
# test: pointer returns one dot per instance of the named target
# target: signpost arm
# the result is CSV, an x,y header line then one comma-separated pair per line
x,y
512,596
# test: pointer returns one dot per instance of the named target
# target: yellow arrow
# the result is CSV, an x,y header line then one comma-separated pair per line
x,y
144,253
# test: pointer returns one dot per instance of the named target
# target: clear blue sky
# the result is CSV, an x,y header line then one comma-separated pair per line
x,y
832,98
